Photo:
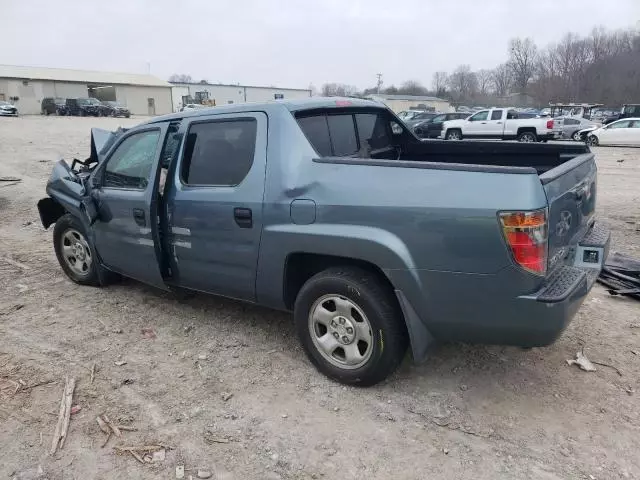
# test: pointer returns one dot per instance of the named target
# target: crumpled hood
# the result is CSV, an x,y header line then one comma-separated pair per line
x,y
101,141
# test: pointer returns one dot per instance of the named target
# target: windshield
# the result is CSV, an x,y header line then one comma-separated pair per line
x,y
84,101
2,102
94,101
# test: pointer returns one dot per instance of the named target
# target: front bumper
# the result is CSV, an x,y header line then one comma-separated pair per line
x,y
8,113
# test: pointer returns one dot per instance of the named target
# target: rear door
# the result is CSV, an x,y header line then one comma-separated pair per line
x,y
126,232
214,204
571,195
495,124
634,133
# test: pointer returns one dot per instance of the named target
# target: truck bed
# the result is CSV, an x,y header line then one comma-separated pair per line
x,y
541,156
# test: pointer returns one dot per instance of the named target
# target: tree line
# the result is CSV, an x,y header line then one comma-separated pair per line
x,y
602,67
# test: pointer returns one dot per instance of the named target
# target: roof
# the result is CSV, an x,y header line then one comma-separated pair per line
x,y
293,105
415,98
81,76
186,84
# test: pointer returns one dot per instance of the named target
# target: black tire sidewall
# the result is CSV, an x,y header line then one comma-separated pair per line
x,y
63,224
385,356
523,134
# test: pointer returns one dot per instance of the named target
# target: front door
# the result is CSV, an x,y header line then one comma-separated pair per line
x,y
126,231
214,204
476,125
615,133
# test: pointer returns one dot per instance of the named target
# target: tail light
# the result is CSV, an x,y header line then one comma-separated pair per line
x,y
549,124
526,234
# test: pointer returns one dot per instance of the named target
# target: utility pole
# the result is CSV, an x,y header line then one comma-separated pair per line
x,y
379,75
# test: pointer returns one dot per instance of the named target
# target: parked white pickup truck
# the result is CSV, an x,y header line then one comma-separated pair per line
x,y
502,123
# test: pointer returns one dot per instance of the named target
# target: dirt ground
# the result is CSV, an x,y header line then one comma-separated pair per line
x,y
470,412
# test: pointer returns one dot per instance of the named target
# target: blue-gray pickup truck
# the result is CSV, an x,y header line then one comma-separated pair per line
x,y
332,209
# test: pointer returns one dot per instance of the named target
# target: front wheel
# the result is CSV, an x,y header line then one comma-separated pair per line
x,y
593,141
75,254
527,137
453,135
351,326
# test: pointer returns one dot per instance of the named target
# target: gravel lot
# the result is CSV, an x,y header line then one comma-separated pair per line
x,y
470,412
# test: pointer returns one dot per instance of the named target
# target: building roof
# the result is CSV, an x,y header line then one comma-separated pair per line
x,y
81,76
414,98
187,84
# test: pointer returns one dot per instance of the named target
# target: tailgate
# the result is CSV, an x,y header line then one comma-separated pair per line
x,y
571,196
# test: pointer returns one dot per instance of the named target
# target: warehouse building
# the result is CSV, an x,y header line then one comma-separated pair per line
x,y
223,94
399,103
25,87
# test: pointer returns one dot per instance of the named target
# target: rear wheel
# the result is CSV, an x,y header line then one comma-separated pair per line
x,y
527,137
351,326
453,135
576,136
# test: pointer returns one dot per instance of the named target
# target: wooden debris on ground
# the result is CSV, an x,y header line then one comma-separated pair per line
x,y
62,427
108,427
145,453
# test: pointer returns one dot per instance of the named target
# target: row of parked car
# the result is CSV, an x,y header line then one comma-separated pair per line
x,y
83,107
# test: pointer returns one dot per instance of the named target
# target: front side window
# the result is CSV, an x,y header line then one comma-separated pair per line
x,y
129,166
623,124
479,116
219,153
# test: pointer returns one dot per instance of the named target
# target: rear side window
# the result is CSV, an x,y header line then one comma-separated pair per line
x,y
347,134
496,115
317,131
219,153
343,135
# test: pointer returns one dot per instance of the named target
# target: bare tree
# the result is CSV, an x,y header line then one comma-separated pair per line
x,y
522,61
502,79
180,78
463,83
439,83
338,90
484,81
412,87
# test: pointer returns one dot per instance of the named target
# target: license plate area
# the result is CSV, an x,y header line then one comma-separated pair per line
x,y
589,257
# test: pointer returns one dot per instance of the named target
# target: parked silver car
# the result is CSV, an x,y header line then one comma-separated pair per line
x,y
571,127
7,110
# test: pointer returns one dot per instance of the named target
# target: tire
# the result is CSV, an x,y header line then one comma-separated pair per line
x,y
575,136
527,137
453,134
76,255
359,308
593,141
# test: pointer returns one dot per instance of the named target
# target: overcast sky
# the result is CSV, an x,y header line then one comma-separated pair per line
x,y
290,43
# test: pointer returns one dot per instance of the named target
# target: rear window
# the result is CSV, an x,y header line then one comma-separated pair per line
x,y
347,134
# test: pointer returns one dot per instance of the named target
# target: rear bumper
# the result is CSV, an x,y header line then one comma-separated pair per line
x,y
491,309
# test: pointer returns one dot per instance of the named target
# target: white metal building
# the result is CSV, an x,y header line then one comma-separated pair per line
x,y
398,103
223,94
25,87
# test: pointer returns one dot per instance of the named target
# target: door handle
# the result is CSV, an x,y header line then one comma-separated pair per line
x,y
243,217
483,123
499,123
138,216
